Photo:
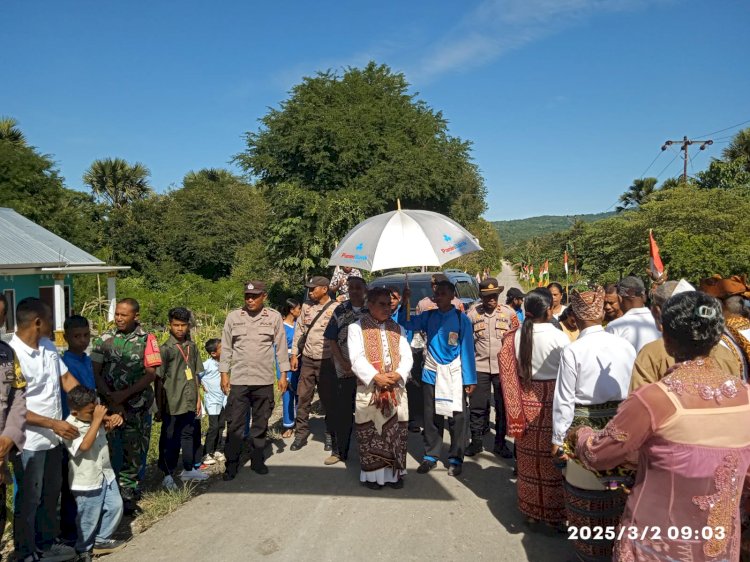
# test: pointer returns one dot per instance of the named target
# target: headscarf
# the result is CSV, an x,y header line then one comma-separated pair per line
x,y
588,305
721,288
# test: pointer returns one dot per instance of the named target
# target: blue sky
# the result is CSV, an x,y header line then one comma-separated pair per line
x,y
566,101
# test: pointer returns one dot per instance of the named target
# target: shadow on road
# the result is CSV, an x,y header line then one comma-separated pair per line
x,y
290,473
497,486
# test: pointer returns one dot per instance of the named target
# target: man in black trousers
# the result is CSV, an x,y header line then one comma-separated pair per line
x,y
252,343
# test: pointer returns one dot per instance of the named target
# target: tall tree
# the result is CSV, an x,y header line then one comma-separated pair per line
x,y
116,182
31,185
9,131
347,146
739,148
637,193
210,218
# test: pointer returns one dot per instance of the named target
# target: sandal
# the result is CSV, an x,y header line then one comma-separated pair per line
x,y
287,434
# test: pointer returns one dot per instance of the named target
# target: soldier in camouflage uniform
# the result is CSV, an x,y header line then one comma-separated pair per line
x,y
125,361
12,411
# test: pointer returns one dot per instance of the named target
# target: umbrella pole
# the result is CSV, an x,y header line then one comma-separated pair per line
x,y
408,306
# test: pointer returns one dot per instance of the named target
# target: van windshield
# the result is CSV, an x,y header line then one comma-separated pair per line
x,y
419,289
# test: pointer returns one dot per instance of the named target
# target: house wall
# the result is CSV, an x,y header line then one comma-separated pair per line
x,y
28,286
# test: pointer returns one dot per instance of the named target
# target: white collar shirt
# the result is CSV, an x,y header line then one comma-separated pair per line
x,y
42,369
594,369
637,326
548,343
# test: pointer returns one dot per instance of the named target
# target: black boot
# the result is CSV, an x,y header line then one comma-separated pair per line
x,y
474,448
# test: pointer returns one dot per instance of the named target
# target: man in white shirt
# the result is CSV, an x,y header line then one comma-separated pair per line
x,y
593,378
37,467
637,324
594,370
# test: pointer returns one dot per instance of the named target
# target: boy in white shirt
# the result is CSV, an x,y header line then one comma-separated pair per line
x,y
92,479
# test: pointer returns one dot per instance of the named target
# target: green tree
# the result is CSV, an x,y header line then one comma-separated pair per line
x,y
9,131
116,182
637,193
345,147
210,218
31,185
492,249
699,233
739,148
724,174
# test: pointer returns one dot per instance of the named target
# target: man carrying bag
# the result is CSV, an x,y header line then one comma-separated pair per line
x,y
311,352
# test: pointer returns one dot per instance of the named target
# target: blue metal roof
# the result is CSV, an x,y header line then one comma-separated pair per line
x,y
25,244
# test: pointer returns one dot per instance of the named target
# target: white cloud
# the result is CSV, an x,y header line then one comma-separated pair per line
x,y
496,27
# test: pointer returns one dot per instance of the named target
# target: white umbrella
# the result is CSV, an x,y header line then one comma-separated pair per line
x,y
404,239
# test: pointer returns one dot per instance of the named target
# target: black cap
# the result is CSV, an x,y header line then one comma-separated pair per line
x,y
490,287
254,287
318,281
515,293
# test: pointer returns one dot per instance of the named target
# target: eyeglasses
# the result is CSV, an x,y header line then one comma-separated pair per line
x,y
254,297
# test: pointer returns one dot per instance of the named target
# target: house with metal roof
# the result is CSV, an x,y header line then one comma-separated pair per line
x,y
37,263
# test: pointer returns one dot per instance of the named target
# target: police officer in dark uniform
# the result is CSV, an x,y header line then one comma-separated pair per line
x,y
12,410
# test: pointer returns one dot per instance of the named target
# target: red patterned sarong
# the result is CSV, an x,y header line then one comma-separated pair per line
x,y
511,386
540,483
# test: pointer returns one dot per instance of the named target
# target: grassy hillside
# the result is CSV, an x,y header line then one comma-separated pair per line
x,y
514,231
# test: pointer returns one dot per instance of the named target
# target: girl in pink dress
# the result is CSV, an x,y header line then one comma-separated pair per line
x,y
690,437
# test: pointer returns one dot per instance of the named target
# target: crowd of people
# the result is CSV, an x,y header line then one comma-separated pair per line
x,y
628,408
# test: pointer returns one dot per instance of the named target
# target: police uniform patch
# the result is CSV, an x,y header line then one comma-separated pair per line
x,y
18,379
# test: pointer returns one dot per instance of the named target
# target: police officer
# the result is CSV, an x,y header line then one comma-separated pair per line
x,y
252,343
13,412
311,352
490,321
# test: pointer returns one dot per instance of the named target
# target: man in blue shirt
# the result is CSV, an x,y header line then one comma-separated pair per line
x,y
448,376
514,299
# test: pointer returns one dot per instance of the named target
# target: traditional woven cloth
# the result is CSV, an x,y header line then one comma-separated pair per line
x,y
588,305
721,288
374,344
540,483
734,325
511,386
381,432
595,508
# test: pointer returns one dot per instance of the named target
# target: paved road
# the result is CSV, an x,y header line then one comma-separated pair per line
x,y
507,278
303,510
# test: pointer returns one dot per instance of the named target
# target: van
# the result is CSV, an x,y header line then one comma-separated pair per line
x,y
467,289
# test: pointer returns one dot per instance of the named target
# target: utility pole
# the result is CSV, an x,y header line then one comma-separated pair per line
x,y
684,143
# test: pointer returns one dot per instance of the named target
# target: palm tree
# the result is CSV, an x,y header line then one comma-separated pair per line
x,y
116,182
739,148
213,175
9,131
637,193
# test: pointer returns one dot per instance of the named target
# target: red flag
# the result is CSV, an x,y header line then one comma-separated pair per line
x,y
657,267
565,261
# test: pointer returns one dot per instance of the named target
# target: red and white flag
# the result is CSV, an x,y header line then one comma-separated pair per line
x,y
565,261
657,267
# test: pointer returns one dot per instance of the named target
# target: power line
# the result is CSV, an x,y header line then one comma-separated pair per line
x,y
722,130
668,165
652,163
684,146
